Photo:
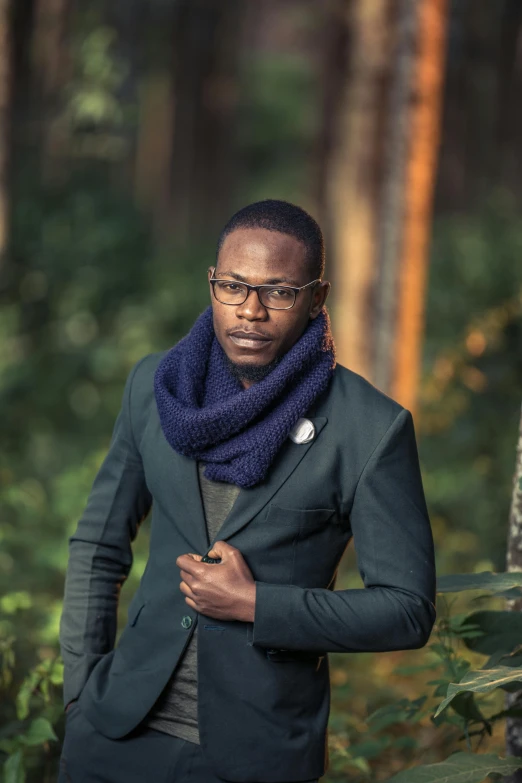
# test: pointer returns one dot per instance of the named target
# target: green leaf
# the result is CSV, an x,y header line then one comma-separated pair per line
x,y
501,631
14,771
465,705
9,746
504,659
361,764
481,681
459,768
441,689
496,583
40,731
56,676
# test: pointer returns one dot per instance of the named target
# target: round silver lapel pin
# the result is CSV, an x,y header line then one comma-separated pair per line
x,y
303,431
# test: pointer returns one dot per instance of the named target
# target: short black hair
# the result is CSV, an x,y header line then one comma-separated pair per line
x,y
275,215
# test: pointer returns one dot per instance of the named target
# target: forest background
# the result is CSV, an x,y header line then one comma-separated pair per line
x,y
129,132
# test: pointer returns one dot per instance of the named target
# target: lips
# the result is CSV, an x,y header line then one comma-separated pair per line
x,y
250,340
249,336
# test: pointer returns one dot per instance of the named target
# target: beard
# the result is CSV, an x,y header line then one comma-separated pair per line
x,y
252,372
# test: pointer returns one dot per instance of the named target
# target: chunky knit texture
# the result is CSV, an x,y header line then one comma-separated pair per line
x,y
207,414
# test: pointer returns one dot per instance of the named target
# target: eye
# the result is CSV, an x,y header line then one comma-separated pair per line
x,y
280,292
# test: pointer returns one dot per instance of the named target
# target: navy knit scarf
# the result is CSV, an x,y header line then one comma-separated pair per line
x,y
207,414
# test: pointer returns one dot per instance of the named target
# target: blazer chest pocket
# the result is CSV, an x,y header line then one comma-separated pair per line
x,y
299,518
318,542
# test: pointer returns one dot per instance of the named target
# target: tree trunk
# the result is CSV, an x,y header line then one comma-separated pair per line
x,y
52,68
418,195
381,169
129,20
5,121
391,225
185,162
514,563
509,113
352,189
206,91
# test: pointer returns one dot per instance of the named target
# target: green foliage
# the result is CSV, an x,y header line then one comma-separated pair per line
x,y
92,97
482,681
89,294
459,768
465,708
496,632
472,375
22,740
504,585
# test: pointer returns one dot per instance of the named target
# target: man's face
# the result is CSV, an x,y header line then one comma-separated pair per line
x,y
258,256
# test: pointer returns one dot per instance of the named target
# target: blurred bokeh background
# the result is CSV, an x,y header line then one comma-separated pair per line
x,y
130,131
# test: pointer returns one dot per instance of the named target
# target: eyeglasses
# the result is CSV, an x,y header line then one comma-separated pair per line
x,y
274,297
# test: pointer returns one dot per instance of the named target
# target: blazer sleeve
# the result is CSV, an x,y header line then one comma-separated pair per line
x,y
395,557
100,553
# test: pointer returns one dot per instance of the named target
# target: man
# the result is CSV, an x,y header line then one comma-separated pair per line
x,y
260,457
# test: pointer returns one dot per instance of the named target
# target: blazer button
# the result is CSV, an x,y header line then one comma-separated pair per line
x,y
187,621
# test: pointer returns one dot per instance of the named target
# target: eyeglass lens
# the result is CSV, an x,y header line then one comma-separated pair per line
x,y
270,296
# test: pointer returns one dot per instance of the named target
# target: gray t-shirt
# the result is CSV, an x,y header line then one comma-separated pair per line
x,y
176,710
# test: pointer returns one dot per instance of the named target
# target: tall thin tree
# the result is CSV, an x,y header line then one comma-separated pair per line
x,y
352,178
514,563
418,194
381,171
5,119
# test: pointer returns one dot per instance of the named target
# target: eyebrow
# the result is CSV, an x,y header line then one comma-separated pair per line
x,y
288,281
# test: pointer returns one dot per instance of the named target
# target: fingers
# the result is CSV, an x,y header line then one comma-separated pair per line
x,y
187,562
186,590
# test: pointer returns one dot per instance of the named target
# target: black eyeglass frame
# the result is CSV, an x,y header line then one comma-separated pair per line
x,y
250,287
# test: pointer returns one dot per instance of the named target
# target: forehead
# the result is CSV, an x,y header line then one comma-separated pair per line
x,y
259,253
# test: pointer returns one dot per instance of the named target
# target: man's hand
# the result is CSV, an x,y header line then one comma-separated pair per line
x,y
224,591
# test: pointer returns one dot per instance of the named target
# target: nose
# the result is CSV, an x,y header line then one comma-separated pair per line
x,y
252,309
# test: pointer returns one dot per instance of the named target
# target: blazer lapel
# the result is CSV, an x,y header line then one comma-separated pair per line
x,y
251,500
189,512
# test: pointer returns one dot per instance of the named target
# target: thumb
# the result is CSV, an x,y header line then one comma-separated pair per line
x,y
220,548
195,557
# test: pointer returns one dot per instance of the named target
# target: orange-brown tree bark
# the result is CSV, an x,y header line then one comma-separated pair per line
x,y
352,191
419,184
380,172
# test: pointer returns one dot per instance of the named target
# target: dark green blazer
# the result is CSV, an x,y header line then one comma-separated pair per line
x,y
263,687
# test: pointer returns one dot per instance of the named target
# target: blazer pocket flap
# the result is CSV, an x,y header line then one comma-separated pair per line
x,y
134,611
293,655
299,517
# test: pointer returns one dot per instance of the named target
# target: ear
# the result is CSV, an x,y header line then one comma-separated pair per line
x,y
319,298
